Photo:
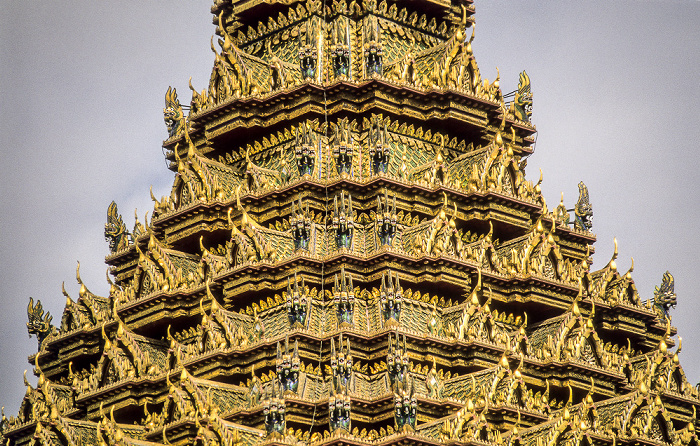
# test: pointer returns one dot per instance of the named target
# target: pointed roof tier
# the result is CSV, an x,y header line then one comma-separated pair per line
x,y
351,253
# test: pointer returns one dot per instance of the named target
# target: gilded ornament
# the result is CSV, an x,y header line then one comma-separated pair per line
x,y
343,149
305,150
583,211
288,364
344,299
115,230
379,149
39,321
298,303
522,103
373,54
665,296
172,113
340,48
386,222
308,50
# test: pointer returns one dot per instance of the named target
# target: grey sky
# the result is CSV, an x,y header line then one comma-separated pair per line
x,y
616,102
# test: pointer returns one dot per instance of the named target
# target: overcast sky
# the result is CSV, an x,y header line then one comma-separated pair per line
x,y
616,89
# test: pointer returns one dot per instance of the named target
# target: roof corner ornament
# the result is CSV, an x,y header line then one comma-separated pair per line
x,y
39,321
344,299
522,104
386,219
339,409
305,151
373,47
298,303
343,221
379,149
115,230
301,224
341,364
340,48
288,365
665,297
391,299
172,113
583,210
397,361
274,411
405,406
343,148
308,52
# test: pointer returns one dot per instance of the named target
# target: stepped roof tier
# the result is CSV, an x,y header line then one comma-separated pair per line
x,y
351,254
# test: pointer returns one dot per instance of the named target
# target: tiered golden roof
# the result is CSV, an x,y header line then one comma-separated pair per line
x,y
351,254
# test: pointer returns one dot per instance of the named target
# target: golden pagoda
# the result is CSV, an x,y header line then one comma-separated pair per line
x,y
351,254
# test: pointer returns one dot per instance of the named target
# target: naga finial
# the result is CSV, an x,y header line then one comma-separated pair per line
x,y
39,322
172,113
115,229
665,297
522,103
583,210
